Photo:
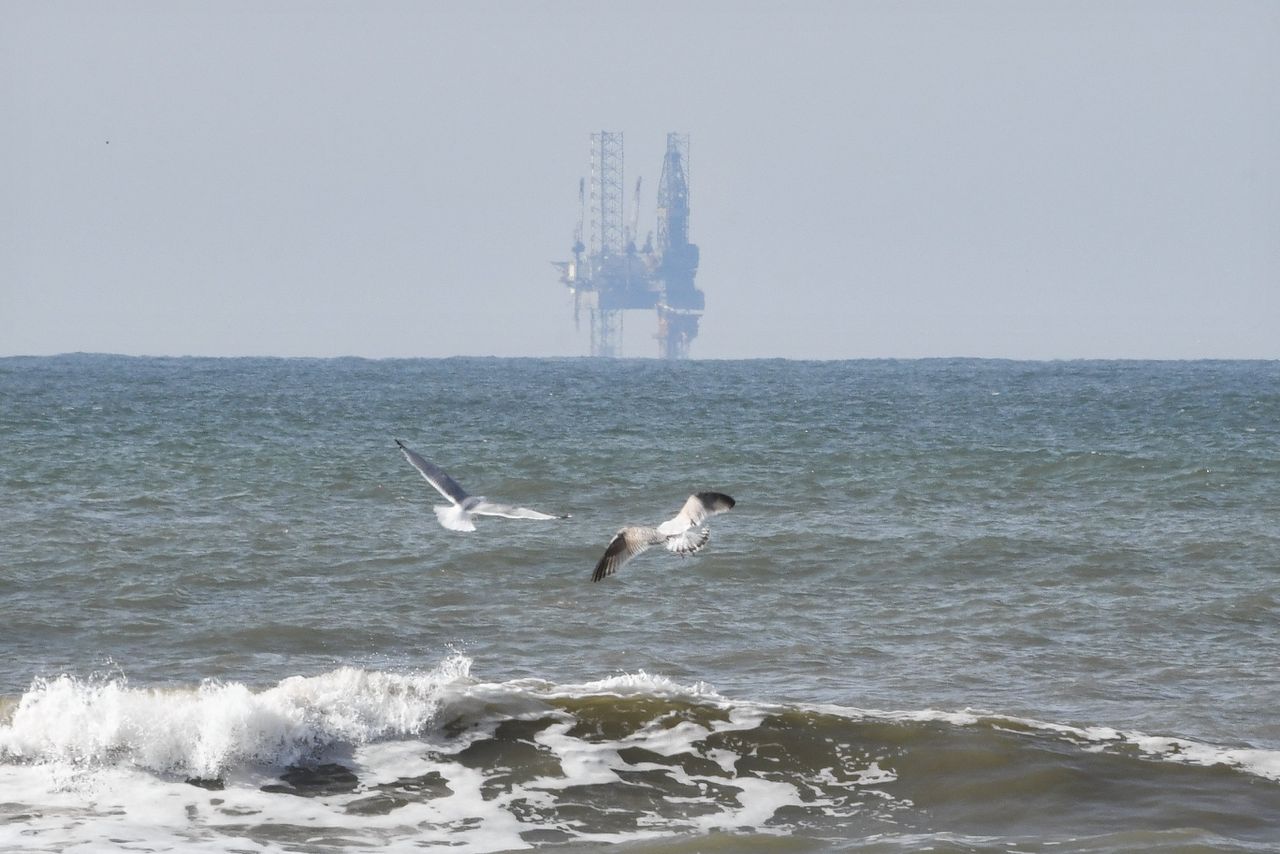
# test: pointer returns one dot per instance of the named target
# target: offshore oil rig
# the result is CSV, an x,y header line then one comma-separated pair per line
x,y
610,274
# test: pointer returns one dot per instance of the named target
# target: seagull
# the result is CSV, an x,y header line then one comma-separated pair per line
x,y
457,515
680,534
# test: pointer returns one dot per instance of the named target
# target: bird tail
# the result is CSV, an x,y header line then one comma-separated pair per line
x,y
688,542
454,518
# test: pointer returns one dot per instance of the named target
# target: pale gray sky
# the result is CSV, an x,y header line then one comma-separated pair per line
x,y
1012,179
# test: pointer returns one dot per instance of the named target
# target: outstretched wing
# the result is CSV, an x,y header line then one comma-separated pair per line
x,y
625,545
699,507
485,507
436,476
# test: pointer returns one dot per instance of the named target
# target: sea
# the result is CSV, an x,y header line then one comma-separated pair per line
x,y
960,606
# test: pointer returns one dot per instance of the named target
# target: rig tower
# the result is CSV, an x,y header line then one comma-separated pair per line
x,y
609,274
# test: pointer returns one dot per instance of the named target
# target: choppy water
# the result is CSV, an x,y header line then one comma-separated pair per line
x,y
960,605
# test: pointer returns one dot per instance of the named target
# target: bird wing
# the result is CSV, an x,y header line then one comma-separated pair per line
x,y
436,476
699,507
625,545
485,507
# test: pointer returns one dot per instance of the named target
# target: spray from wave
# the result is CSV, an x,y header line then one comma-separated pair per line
x,y
219,725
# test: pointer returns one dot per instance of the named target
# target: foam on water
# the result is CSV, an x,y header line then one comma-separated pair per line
x,y
218,726
439,757
89,761
1257,762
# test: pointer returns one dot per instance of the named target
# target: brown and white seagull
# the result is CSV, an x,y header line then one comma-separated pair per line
x,y
457,515
680,534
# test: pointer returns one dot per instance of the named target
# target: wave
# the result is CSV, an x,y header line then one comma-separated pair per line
x,y
205,731
633,757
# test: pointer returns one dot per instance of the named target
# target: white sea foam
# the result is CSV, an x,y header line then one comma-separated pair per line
x,y
1263,763
1258,762
78,761
639,683
746,714
204,731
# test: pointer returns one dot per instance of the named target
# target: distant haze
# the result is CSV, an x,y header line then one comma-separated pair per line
x,y
869,179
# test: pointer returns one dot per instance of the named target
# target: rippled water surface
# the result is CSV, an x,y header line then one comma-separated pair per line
x,y
1070,571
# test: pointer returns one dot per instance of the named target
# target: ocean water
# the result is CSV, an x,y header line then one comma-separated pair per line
x,y
961,605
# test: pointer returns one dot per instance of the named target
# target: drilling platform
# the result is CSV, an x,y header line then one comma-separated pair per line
x,y
609,274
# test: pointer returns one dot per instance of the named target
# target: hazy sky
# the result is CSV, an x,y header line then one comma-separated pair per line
x,y
1012,179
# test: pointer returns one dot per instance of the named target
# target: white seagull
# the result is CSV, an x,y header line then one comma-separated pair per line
x,y
457,515
680,534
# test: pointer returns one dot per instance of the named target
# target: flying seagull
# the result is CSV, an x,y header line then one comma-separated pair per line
x,y
680,534
457,515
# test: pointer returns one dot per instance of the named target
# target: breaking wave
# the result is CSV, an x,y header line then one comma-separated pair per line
x,y
439,756
204,732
